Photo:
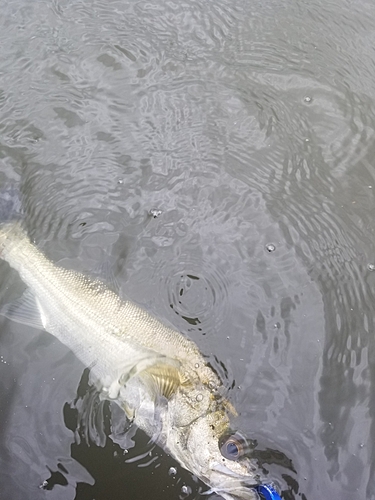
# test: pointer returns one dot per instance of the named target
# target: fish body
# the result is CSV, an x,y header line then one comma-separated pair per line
x,y
158,376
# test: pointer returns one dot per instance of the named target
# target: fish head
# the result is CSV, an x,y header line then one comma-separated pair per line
x,y
191,419
200,439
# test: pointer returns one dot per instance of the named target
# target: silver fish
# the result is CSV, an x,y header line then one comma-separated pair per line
x,y
153,372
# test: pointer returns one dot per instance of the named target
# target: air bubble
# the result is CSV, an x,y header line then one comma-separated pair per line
x,y
307,99
196,365
371,267
172,471
270,247
155,212
185,491
199,398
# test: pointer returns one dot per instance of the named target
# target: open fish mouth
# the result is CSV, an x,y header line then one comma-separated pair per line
x,y
232,485
236,487
250,491
237,493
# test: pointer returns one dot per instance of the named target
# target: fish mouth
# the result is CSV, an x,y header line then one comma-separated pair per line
x,y
241,492
233,486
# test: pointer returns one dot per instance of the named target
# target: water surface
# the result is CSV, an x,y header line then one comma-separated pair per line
x,y
250,126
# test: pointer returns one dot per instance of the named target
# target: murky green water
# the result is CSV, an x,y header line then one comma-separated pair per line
x,y
250,125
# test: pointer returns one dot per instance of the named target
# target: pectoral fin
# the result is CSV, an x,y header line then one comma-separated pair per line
x,y
162,378
24,310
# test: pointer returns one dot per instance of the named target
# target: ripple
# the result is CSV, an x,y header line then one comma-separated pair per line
x,y
197,294
249,133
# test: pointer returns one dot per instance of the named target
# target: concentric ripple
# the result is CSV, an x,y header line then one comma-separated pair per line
x,y
254,137
198,294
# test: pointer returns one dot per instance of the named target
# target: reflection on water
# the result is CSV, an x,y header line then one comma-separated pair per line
x,y
247,125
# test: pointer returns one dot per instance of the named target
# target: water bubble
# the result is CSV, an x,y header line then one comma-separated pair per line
x,y
44,485
155,212
172,471
307,99
212,385
371,267
199,398
270,247
185,491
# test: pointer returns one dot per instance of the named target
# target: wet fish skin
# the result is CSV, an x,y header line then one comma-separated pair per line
x,y
152,371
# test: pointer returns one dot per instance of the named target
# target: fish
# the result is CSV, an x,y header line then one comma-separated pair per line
x,y
154,373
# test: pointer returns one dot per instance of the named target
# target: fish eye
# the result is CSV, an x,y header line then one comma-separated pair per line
x,y
232,447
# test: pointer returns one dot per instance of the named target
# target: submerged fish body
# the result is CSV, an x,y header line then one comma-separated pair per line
x,y
153,372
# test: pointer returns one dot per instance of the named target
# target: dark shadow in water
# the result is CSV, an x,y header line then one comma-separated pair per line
x,y
127,469
123,468
56,478
8,388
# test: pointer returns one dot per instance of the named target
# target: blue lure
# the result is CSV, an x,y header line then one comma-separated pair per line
x,y
267,492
